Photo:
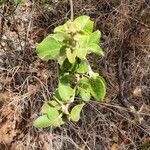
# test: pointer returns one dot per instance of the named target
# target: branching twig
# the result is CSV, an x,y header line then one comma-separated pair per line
x,y
122,95
2,23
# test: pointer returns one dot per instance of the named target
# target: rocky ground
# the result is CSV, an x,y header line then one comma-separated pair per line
x,y
121,122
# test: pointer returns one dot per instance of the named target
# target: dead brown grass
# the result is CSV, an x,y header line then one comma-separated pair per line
x,y
26,81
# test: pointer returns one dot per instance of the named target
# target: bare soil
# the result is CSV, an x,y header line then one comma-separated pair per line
x,y
121,122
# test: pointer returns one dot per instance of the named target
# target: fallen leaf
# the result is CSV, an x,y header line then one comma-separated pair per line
x,y
137,92
115,146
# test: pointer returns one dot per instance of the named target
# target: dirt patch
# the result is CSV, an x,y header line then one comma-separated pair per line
x,y
121,122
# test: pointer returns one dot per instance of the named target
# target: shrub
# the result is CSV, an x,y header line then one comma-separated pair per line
x,y
69,45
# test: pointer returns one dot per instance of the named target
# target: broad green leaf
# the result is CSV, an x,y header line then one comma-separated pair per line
x,y
82,43
59,36
95,37
42,122
71,55
45,108
49,48
53,116
89,27
65,92
81,22
71,27
100,78
61,60
67,79
55,104
98,88
58,122
88,42
82,67
62,56
84,82
59,29
82,40
81,52
95,49
52,113
84,88
57,97
85,94
75,112
67,66
84,24
63,50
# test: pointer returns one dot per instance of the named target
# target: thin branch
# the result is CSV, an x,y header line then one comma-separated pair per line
x,y
71,9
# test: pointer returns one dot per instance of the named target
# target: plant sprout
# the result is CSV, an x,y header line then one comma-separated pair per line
x,y
69,45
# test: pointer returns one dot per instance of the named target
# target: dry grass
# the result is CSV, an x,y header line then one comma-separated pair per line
x,y
26,81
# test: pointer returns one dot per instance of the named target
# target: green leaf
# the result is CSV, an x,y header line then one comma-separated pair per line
x,y
54,117
81,22
81,52
42,122
52,113
84,82
66,67
57,97
100,78
95,37
82,43
98,88
58,122
65,92
45,108
71,55
59,36
67,79
48,49
84,24
61,60
95,49
83,67
71,27
82,40
51,119
89,27
84,88
54,104
59,29
88,42
85,94
75,112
